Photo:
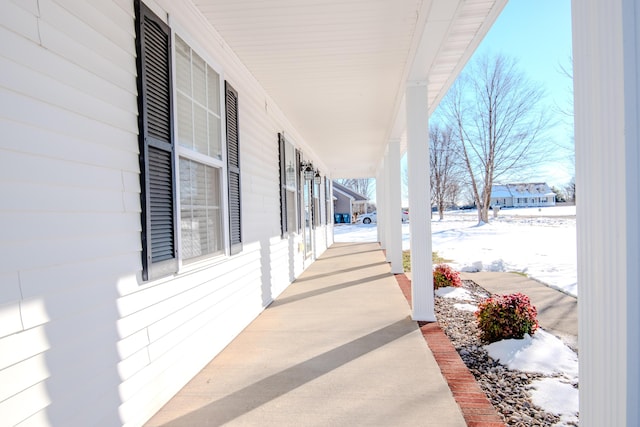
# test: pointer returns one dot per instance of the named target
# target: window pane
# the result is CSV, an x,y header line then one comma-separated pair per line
x,y
199,79
201,133
215,141
213,91
214,216
185,182
185,121
291,211
183,66
290,158
201,219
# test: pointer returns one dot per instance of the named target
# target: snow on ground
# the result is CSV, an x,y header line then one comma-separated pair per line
x,y
539,242
545,354
466,307
557,397
542,353
453,292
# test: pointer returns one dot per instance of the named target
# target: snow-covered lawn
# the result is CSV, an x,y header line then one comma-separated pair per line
x,y
540,242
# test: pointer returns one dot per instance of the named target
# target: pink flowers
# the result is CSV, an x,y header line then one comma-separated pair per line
x,y
444,276
506,316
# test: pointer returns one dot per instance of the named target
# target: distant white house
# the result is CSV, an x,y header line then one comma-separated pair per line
x,y
522,195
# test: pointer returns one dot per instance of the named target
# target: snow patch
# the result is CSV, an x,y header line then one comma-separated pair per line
x,y
542,353
465,307
557,397
455,293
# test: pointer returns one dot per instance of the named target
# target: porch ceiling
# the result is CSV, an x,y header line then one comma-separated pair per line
x,y
337,68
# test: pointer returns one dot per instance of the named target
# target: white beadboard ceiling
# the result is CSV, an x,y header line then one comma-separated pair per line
x,y
338,68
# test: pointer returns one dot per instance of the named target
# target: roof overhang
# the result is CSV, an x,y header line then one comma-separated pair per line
x,y
338,70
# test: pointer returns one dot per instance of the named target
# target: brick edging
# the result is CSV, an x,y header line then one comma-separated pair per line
x,y
474,404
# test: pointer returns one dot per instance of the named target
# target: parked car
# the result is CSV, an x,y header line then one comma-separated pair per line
x,y
368,218
373,217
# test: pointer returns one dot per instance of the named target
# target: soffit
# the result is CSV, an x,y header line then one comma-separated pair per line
x,y
337,68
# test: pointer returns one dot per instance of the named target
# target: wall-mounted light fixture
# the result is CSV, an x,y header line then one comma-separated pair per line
x,y
307,168
317,179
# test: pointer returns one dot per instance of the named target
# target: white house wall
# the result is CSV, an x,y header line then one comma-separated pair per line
x,y
83,341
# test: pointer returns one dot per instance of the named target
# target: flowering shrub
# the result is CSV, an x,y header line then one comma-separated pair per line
x,y
506,316
444,276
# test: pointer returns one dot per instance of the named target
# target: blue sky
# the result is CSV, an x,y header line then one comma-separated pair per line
x,y
538,34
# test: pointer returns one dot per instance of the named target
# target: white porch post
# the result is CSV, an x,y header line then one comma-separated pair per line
x,y
380,201
419,201
607,135
393,204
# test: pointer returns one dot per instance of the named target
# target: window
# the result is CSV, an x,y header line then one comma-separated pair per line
x,y
187,148
200,152
200,210
316,203
288,185
327,196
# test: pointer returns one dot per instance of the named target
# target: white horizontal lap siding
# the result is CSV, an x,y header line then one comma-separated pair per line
x,y
69,190
259,165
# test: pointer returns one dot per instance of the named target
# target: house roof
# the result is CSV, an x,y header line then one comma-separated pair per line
x,y
500,191
338,69
525,189
349,192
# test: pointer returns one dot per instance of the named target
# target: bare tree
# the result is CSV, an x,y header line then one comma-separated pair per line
x,y
444,168
565,70
566,112
570,190
496,115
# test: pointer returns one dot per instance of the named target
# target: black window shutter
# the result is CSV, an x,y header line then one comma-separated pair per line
x,y
299,188
157,196
283,184
233,168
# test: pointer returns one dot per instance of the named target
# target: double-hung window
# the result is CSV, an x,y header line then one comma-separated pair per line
x,y
187,211
328,200
200,164
289,176
316,203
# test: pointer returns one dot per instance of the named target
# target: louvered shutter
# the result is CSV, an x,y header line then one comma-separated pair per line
x,y
153,48
233,169
283,184
299,189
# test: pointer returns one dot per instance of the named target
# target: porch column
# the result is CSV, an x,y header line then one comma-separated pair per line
x,y
380,196
419,201
393,204
606,55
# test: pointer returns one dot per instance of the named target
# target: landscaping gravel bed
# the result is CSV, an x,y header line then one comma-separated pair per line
x,y
505,388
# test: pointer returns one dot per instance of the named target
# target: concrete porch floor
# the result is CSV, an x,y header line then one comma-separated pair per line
x,y
337,348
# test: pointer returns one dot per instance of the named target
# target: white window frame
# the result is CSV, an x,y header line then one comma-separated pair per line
x,y
186,153
291,189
